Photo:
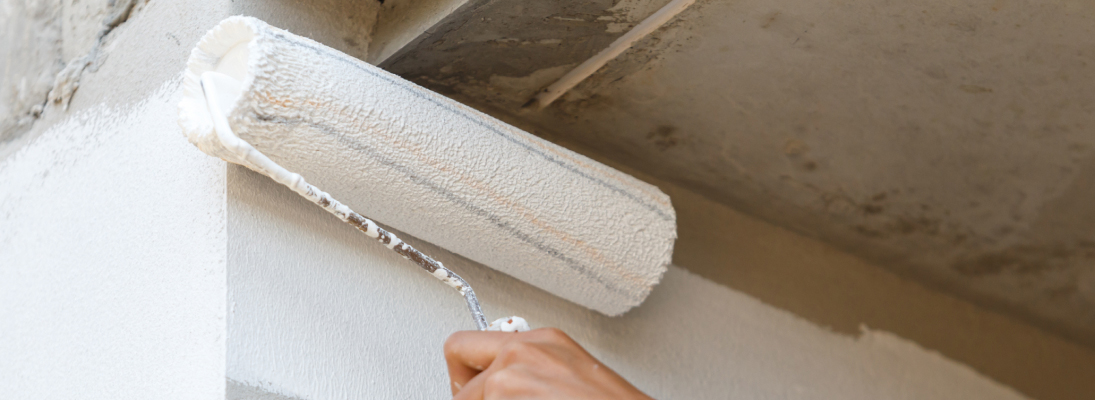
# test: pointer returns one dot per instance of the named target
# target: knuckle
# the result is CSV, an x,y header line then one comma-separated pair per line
x,y
514,352
554,335
522,346
502,383
452,343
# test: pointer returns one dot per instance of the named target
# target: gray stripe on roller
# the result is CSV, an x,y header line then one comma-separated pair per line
x,y
355,63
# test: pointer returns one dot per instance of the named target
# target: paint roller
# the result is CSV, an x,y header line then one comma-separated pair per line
x,y
311,117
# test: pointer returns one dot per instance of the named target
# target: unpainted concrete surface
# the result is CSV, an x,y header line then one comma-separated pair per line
x,y
951,143
30,55
52,43
399,22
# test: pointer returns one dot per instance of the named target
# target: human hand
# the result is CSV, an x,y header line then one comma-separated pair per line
x,y
539,364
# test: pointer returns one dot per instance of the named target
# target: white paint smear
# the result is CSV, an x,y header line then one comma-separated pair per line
x,y
509,324
112,260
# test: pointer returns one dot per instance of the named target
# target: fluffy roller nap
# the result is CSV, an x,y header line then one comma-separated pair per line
x,y
436,169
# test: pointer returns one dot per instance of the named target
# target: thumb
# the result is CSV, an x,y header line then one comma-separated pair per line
x,y
468,353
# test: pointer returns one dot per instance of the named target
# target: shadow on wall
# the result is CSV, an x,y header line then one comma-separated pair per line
x,y
345,25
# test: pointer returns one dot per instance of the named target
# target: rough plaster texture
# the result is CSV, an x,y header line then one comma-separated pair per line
x,y
948,142
319,311
81,22
30,55
552,36
49,45
112,260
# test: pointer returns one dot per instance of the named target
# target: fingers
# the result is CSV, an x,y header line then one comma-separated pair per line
x,y
468,353
473,356
475,388
513,381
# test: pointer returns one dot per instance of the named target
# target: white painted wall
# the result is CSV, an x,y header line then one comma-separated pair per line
x,y
319,311
112,260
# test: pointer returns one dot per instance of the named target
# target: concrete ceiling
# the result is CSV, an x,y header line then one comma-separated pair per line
x,y
953,143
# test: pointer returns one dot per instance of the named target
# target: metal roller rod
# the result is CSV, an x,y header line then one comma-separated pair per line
x,y
259,162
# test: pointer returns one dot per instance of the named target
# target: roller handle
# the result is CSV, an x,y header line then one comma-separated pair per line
x,y
222,90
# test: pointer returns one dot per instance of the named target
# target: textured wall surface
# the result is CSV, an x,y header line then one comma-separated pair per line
x,y
30,55
112,260
319,311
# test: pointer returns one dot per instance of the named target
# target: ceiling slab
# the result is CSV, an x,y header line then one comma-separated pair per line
x,y
951,143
